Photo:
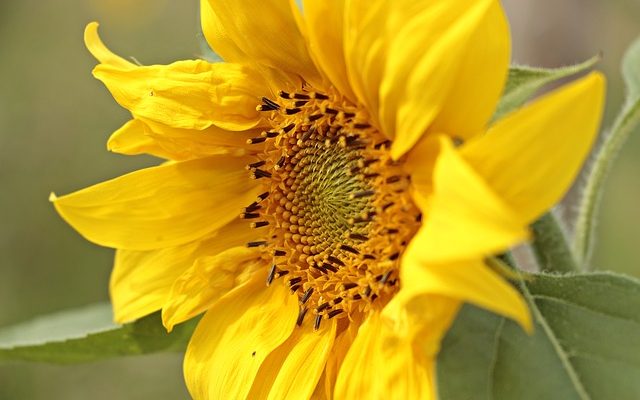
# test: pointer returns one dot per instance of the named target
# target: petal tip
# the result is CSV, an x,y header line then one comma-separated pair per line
x,y
525,321
91,33
167,321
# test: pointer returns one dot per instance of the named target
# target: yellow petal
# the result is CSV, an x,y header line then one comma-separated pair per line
x,y
480,78
217,36
470,281
429,42
292,371
325,31
272,39
420,163
336,358
100,51
141,280
422,318
365,50
138,136
206,281
162,206
235,337
320,392
465,219
133,138
382,365
531,157
191,94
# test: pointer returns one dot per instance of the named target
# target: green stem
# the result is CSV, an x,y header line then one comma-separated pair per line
x,y
626,122
550,246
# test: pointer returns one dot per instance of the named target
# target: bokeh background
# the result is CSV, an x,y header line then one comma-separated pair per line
x,y
55,119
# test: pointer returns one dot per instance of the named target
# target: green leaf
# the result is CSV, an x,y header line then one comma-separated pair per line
x,y
524,82
626,123
88,334
586,344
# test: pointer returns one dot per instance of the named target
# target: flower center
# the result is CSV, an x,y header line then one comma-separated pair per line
x,y
336,213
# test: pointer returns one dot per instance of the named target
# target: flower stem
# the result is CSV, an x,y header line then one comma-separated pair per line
x,y
550,246
626,123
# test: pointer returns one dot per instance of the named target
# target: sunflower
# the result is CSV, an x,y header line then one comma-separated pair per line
x,y
332,191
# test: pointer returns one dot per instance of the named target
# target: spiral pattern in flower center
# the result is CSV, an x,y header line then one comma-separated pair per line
x,y
336,213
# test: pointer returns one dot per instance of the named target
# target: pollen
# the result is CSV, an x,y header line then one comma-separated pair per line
x,y
336,211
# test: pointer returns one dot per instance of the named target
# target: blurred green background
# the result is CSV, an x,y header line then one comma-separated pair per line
x,y
55,119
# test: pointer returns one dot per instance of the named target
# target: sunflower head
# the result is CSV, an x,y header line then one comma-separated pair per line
x,y
336,212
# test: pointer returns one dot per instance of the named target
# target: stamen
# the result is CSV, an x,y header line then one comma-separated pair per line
x,y
393,179
335,260
357,236
252,207
270,134
349,285
323,269
294,281
364,193
349,249
258,173
266,107
306,295
301,314
271,275
329,267
316,324
331,111
385,277
256,140
249,215
270,103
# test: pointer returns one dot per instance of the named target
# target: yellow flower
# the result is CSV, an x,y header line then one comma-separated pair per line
x,y
352,138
